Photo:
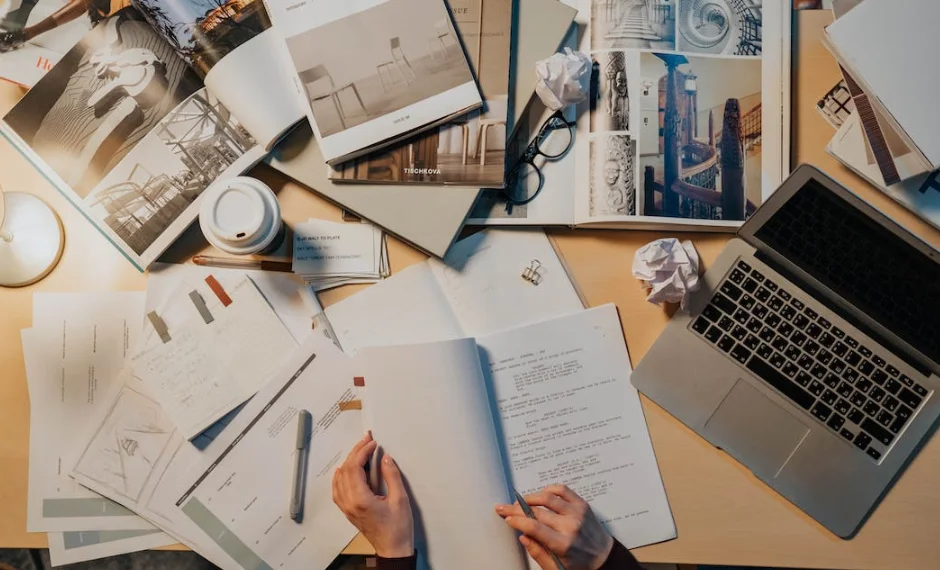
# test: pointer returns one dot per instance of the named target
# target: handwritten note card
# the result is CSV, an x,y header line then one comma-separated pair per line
x,y
208,369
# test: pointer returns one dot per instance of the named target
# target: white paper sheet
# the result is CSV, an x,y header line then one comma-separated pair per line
x,y
82,546
208,369
329,248
570,415
242,500
283,291
477,289
73,354
427,406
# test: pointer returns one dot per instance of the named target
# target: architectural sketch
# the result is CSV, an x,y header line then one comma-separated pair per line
x,y
720,26
610,109
707,113
613,175
643,24
127,445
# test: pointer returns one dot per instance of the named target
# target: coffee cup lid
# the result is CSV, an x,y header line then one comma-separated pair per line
x,y
240,215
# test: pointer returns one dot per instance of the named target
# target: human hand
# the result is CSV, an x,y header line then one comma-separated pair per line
x,y
9,41
563,524
386,522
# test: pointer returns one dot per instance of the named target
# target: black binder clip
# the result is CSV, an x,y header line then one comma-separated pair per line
x,y
531,273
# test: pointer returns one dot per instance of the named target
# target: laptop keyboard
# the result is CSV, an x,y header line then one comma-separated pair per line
x,y
856,393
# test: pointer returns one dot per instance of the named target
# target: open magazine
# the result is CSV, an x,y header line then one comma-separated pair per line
x,y
150,107
25,53
687,124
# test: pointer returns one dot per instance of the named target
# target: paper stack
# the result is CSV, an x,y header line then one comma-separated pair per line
x,y
330,254
882,110
84,349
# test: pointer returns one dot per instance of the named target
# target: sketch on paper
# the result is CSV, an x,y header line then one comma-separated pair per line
x,y
613,175
127,445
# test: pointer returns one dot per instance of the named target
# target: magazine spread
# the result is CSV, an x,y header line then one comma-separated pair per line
x,y
472,150
674,133
27,49
374,72
134,122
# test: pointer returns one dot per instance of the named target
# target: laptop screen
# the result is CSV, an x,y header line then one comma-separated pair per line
x,y
866,264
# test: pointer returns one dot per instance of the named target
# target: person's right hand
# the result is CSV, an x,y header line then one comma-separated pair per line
x,y
386,522
9,41
563,524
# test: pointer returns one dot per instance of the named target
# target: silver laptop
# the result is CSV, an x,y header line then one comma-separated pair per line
x,y
811,353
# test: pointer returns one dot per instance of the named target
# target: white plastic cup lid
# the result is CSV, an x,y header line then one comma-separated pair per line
x,y
240,215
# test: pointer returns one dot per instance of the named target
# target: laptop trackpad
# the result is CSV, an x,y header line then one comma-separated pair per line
x,y
755,430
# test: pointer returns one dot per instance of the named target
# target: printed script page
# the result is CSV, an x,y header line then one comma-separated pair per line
x,y
570,415
427,406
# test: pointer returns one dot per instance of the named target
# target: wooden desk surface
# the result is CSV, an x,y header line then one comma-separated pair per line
x,y
723,514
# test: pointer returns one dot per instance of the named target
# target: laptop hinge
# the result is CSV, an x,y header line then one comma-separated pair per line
x,y
840,310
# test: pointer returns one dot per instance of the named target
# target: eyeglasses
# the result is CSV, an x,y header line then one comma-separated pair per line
x,y
525,180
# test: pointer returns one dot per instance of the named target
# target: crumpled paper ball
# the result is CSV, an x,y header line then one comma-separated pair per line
x,y
669,269
563,79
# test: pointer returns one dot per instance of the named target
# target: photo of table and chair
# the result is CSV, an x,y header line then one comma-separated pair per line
x,y
404,56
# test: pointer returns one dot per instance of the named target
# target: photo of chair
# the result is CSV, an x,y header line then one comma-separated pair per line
x,y
398,58
443,32
485,124
320,74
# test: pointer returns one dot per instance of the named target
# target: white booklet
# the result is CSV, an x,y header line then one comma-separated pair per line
x,y
373,72
157,101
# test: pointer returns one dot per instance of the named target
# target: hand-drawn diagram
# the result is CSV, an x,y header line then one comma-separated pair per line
x,y
128,444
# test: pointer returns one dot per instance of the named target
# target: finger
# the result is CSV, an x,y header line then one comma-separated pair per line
x,y
553,520
565,493
359,444
394,484
550,501
539,531
538,553
362,456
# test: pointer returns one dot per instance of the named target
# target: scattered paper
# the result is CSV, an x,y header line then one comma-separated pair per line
x,y
330,254
669,269
82,546
208,369
77,345
563,79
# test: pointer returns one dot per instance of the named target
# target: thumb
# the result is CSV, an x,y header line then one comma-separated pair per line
x,y
393,481
538,553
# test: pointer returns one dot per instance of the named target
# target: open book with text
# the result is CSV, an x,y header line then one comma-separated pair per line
x,y
150,107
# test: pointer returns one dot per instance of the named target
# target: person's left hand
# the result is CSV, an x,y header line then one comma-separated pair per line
x,y
386,522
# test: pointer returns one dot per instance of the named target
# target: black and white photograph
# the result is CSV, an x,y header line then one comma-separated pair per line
x,y
728,27
700,149
196,144
613,175
205,31
633,24
836,105
617,73
404,56
106,94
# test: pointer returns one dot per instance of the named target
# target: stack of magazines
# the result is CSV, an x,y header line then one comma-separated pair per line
x,y
883,108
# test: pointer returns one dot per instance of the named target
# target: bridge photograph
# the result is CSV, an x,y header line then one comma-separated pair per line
x,y
700,139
